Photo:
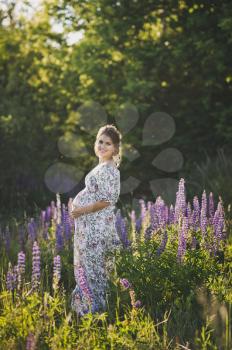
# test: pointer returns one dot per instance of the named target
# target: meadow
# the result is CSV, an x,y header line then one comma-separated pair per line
x,y
170,288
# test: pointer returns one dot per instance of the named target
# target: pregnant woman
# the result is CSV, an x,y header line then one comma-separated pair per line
x,y
95,237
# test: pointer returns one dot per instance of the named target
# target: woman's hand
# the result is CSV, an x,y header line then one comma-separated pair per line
x,y
76,212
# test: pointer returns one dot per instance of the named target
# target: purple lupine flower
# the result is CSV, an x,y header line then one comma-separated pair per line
x,y
31,342
211,208
45,231
138,224
48,214
56,270
58,206
59,237
152,215
171,215
166,214
9,278
32,230
203,218
189,214
160,214
35,265
138,304
84,284
180,205
125,283
121,228
21,267
218,223
196,213
182,239
163,244
67,224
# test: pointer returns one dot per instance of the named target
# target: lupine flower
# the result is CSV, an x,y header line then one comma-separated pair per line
x,y
48,214
67,224
138,224
196,213
163,244
218,223
211,208
137,304
58,206
121,228
10,278
21,266
171,215
180,205
35,265
132,296
203,222
125,283
59,237
56,270
189,214
152,215
83,284
32,230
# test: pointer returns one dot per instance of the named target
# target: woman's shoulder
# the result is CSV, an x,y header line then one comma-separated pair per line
x,y
109,167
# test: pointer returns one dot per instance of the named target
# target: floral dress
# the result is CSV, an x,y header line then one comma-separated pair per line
x,y
95,239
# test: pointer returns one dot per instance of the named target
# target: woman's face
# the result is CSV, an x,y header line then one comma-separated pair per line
x,y
104,148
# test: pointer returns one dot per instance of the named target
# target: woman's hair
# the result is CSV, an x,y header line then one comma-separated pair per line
x,y
111,131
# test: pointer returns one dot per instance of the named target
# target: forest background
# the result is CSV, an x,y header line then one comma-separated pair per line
x,y
159,70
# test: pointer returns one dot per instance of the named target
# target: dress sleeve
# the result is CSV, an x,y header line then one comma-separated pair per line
x,y
108,185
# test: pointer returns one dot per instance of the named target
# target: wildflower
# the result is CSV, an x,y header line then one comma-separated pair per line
x,y
180,205
163,244
59,237
125,283
56,270
32,230
203,222
21,267
211,208
35,265
9,278
84,284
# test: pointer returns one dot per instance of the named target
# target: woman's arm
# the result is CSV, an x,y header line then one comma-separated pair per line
x,y
91,208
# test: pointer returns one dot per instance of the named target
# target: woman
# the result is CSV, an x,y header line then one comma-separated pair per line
x,y
95,237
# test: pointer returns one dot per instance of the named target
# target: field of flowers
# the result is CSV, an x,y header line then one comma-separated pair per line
x,y
170,289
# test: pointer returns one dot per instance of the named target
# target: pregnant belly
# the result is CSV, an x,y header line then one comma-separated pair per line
x,y
83,198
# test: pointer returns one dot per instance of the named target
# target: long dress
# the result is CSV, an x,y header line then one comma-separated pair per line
x,y
95,240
